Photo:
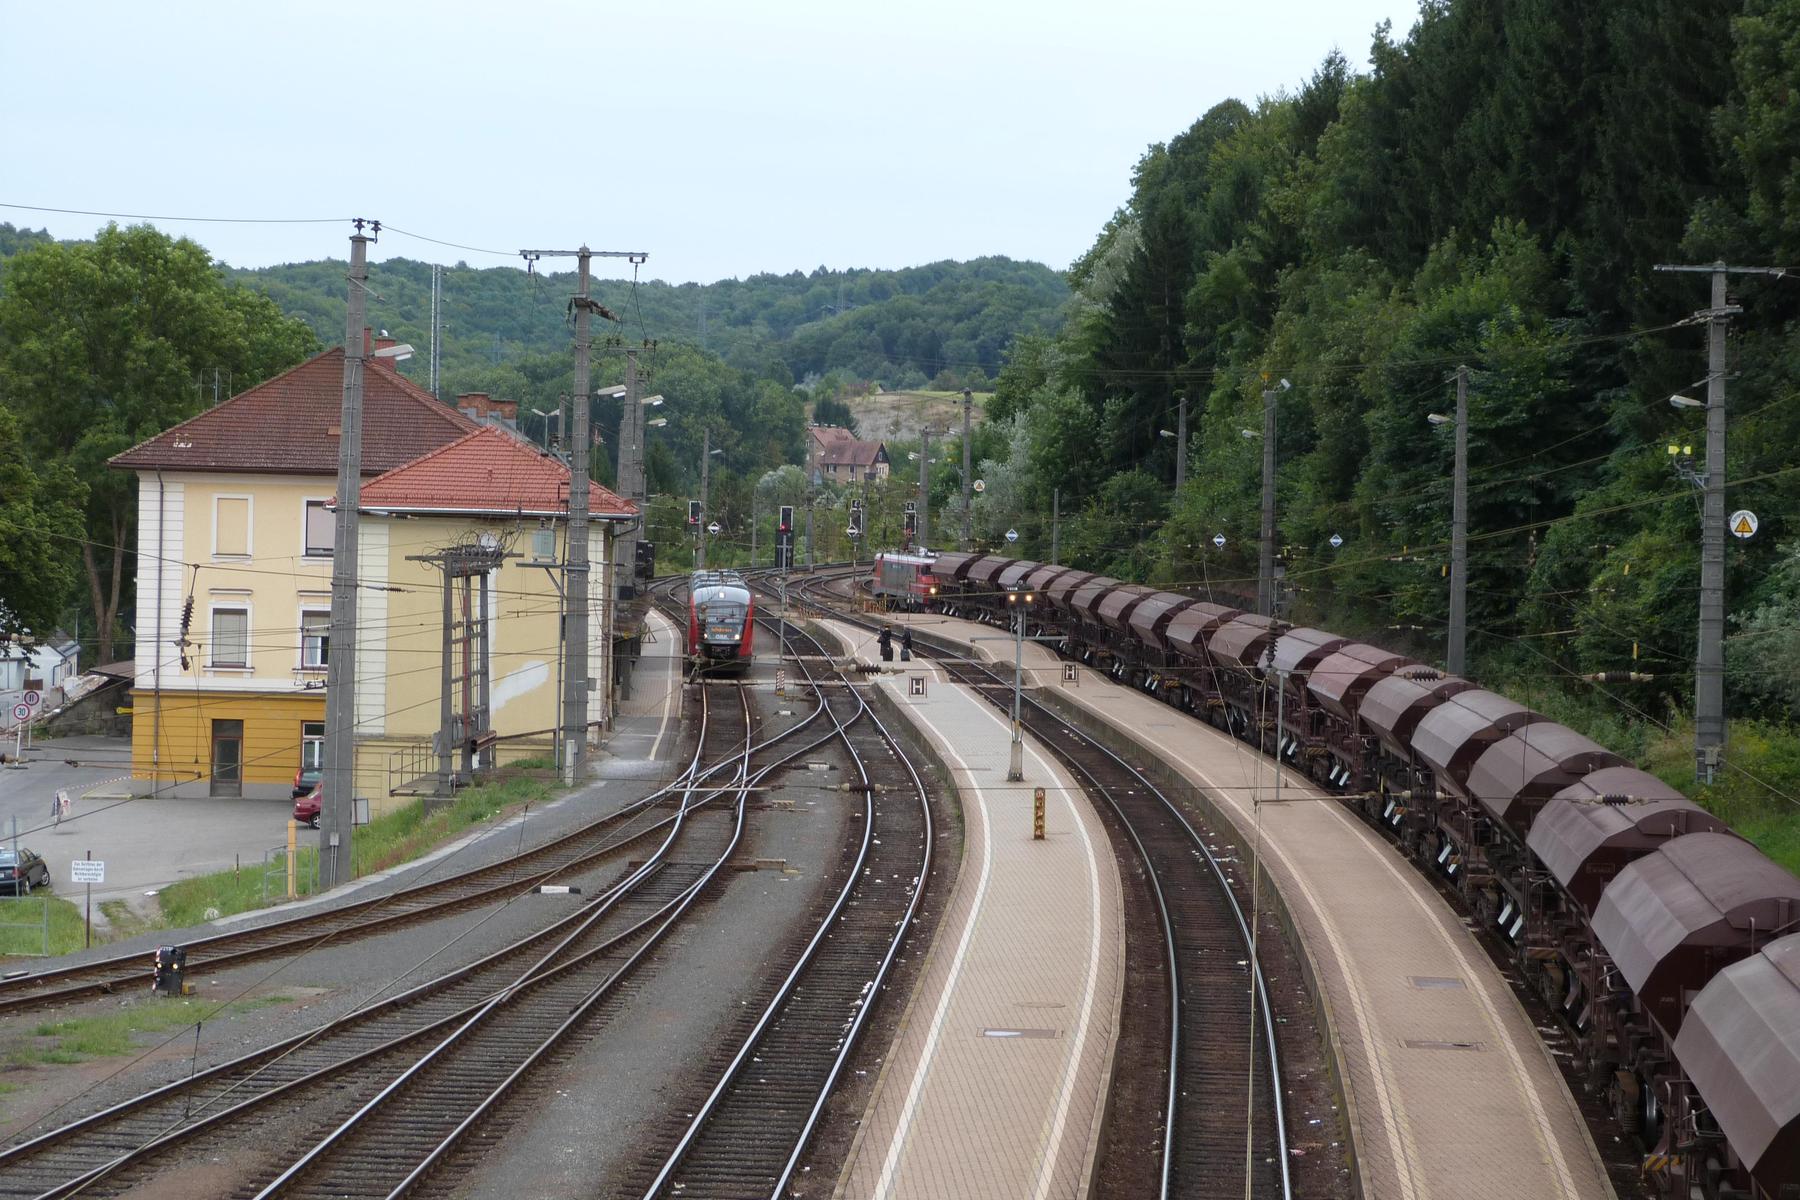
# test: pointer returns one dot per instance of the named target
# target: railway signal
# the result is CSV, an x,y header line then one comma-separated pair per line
x,y
785,523
693,513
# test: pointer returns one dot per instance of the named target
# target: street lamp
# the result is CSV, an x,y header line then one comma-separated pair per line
x,y
1018,601
1265,567
1459,526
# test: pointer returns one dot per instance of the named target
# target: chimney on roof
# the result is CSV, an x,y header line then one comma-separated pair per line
x,y
480,406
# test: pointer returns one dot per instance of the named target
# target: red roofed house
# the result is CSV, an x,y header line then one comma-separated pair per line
x,y
235,532
834,455
487,492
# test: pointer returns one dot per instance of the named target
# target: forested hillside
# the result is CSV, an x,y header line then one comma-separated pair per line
x,y
1494,192
947,321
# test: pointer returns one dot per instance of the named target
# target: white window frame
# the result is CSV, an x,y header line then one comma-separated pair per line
x,y
307,739
305,611
249,526
213,610
307,553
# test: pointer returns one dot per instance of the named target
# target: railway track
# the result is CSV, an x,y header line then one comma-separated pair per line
x,y
1208,1055
748,1136
469,1024
576,851
99,1152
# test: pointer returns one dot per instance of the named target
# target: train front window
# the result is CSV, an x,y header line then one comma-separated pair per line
x,y
722,619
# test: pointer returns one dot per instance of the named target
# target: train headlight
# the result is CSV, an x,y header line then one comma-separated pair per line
x,y
934,589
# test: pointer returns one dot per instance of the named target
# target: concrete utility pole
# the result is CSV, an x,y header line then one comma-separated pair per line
x,y
337,812
705,515
811,496
631,467
1055,524
924,525
1265,566
968,478
1459,532
575,635
437,326
1181,445
576,566
1709,661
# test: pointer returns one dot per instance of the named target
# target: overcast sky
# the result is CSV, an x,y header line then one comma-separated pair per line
x,y
722,138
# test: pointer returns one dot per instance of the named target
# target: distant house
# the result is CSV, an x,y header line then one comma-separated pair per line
x,y
46,667
36,666
835,455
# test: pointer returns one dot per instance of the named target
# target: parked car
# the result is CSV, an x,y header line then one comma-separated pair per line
x,y
306,808
21,871
306,779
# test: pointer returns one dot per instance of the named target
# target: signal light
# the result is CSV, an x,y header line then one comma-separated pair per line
x,y
786,521
693,512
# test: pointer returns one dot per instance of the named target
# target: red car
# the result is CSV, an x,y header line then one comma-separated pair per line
x,y
306,808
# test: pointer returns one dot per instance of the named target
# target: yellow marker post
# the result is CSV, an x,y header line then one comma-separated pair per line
x,y
293,844
1037,814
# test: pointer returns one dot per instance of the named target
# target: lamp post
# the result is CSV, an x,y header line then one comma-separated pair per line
x,y
1017,601
1265,566
968,463
706,457
1459,527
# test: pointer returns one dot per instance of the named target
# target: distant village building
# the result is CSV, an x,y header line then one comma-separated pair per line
x,y
835,455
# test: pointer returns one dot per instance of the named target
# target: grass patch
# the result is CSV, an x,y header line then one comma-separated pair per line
x,y
77,1039
23,921
387,841
1759,794
124,921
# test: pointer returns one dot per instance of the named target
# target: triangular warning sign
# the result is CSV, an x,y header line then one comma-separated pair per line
x,y
1743,528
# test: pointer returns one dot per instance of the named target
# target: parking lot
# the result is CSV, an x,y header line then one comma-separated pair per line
x,y
146,843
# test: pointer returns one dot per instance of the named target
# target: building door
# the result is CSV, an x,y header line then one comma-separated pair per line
x,y
227,758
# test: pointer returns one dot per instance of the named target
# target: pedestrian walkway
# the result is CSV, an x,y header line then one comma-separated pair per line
x,y
996,1085
1451,1092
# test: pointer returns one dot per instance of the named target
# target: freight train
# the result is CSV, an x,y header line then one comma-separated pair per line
x,y
721,630
1667,947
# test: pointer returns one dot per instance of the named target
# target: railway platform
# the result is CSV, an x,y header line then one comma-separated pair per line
x,y
1449,1089
997,1081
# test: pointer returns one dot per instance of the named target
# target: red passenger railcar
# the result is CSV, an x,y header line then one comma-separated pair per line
x,y
721,621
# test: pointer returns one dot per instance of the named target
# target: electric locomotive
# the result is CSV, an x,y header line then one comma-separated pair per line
x,y
905,580
721,621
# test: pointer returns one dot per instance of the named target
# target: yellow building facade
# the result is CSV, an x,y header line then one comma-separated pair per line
x,y
233,557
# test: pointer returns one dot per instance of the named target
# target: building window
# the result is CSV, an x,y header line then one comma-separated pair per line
x,y
315,638
321,529
312,745
231,526
230,637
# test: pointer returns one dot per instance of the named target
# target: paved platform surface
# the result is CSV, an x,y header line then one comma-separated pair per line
x,y
1406,986
996,1085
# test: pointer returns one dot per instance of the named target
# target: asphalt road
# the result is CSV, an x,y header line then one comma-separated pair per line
x,y
25,792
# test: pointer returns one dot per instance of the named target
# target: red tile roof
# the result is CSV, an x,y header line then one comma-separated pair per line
x,y
288,425
836,446
487,472
860,454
